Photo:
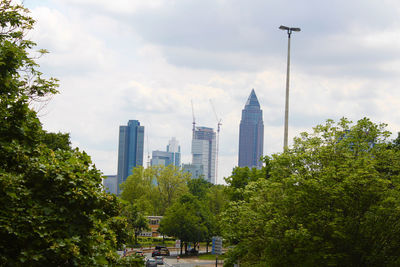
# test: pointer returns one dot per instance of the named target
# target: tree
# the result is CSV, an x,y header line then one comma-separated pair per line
x,y
139,189
155,189
53,209
187,220
198,187
171,184
216,199
136,221
331,200
215,202
396,142
241,177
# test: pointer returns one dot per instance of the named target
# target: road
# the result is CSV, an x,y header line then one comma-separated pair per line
x,y
172,261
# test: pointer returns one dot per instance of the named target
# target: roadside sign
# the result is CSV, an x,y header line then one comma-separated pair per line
x,y
177,243
216,245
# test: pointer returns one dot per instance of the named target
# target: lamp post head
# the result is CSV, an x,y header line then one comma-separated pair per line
x,y
289,29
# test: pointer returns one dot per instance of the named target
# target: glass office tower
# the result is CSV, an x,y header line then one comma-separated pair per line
x,y
130,149
251,135
170,157
204,152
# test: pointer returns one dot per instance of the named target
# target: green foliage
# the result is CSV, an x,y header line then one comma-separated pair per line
x,y
53,210
198,187
216,199
131,261
136,221
187,220
332,200
396,142
154,189
242,176
56,141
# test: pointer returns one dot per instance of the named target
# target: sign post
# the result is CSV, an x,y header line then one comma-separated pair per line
x,y
216,245
177,243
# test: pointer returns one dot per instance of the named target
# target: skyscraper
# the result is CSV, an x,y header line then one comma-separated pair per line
x,y
170,157
110,184
251,135
174,147
204,152
130,149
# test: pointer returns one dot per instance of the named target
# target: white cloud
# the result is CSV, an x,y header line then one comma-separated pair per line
x,y
72,47
117,6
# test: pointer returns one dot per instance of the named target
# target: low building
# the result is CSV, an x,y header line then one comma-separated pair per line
x,y
154,224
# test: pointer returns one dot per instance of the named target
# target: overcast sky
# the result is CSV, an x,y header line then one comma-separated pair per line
x,y
146,60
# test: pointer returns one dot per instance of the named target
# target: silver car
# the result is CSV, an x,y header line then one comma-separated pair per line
x,y
151,263
159,260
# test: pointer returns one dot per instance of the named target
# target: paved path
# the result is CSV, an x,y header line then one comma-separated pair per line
x,y
190,262
172,261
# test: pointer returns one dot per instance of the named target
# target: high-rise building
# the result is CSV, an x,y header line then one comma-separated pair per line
x,y
251,135
174,148
130,149
170,157
110,184
195,170
204,152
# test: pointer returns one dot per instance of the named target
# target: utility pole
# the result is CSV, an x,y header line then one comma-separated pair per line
x,y
285,135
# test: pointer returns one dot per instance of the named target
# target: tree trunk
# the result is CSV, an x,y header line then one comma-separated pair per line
x,y
135,238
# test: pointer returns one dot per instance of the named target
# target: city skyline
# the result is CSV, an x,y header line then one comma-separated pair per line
x,y
147,59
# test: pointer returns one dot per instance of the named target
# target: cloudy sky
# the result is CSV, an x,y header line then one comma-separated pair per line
x,y
146,60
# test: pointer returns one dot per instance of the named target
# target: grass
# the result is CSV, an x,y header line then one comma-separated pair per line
x,y
210,256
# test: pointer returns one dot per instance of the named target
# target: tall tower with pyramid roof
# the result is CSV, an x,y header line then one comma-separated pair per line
x,y
251,135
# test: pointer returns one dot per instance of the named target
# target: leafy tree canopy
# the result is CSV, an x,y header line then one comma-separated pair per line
x,y
333,199
242,176
53,210
135,220
155,188
186,219
198,187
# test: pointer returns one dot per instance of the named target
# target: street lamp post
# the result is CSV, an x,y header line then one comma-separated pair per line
x,y
285,135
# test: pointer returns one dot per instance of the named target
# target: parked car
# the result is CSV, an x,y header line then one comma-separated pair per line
x,y
151,263
193,251
160,251
155,253
139,253
164,252
159,260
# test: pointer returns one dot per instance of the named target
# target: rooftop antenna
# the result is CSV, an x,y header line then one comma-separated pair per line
x,y
217,145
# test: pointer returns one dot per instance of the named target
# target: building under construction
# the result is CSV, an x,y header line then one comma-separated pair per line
x,y
203,154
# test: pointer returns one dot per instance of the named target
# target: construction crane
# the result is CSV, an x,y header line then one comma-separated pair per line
x,y
148,151
217,145
194,121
